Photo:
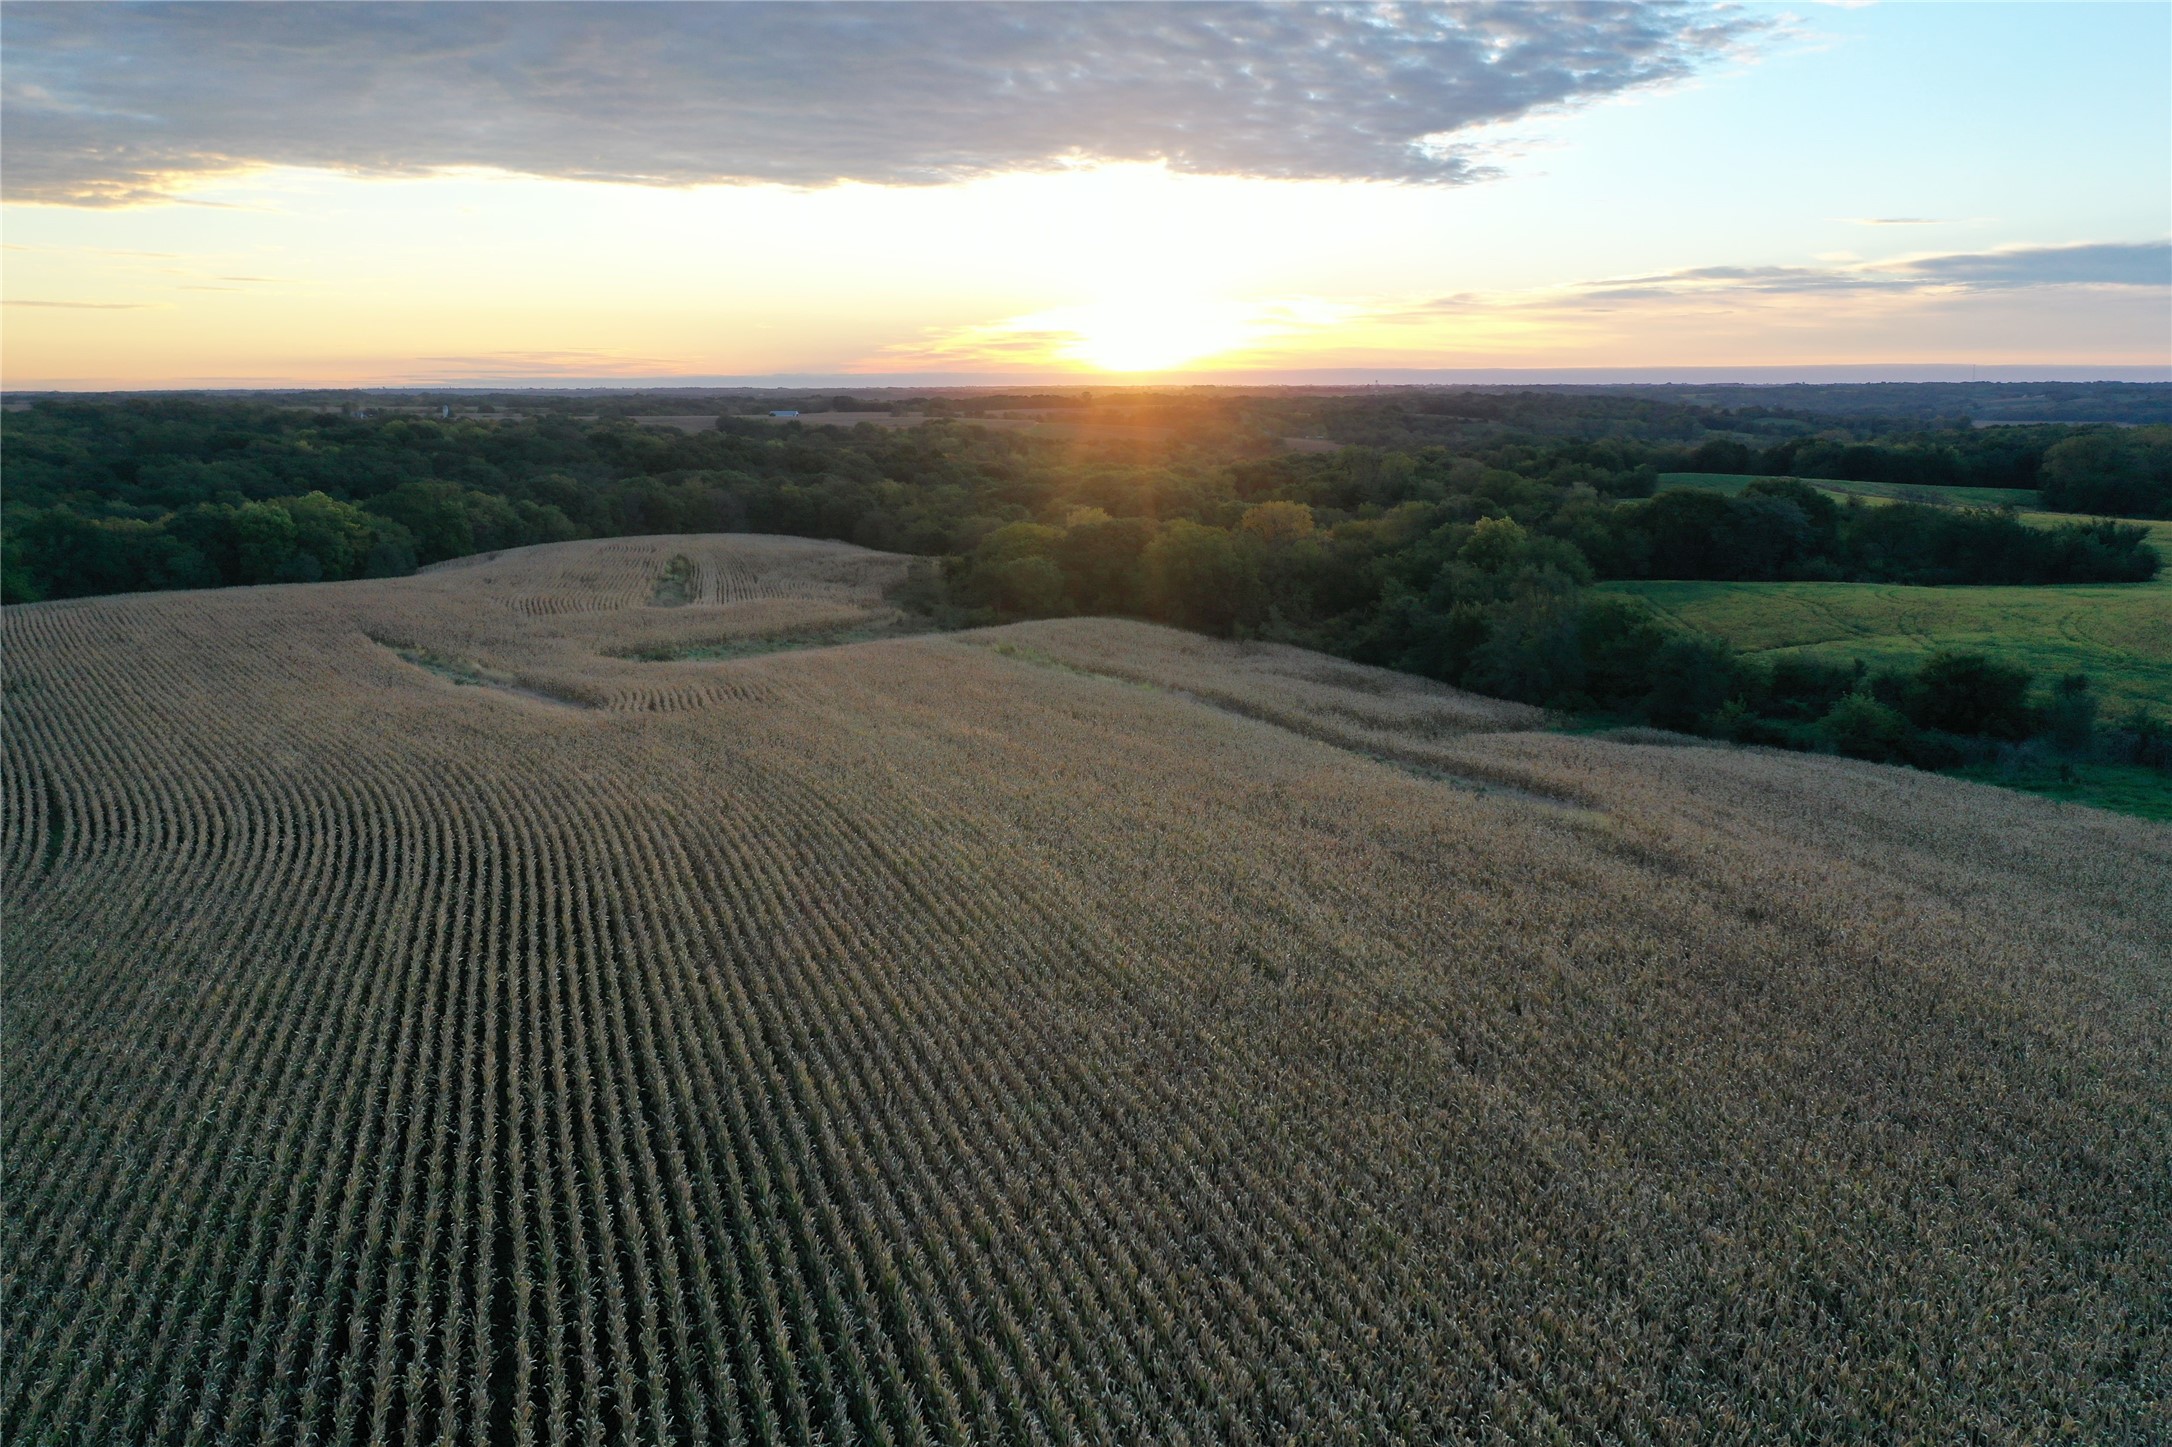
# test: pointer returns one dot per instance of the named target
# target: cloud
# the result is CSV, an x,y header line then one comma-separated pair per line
x,y
87,251
1706,279
2097,263
2080,302
2136,263
108,104
543,365
1899,220
83,306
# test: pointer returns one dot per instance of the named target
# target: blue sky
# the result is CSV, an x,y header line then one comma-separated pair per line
x,y
2009,123
362,194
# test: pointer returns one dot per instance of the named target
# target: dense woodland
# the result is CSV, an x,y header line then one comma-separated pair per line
x,y
1456,537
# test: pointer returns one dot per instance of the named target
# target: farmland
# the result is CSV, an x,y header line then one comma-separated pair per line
x,y
430,1018
2121,636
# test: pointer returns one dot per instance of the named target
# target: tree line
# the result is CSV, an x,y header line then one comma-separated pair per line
x,y
2126,472
1502,608
1473,566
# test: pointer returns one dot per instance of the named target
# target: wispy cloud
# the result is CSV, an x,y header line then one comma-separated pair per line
x,y
113,104
117,252
542,365
2138,263
1149,334
2101,263
236,283
83,306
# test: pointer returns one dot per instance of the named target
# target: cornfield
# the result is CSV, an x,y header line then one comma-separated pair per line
x,y
427,1022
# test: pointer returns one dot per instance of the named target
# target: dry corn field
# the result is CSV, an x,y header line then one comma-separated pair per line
x,y
426,1022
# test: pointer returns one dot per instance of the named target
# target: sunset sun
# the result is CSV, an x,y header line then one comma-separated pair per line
x,y
1150,333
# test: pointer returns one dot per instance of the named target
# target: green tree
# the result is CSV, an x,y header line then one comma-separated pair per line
x,y
1692,675
337,534
1531,650
1968,693
1501,559
1861,727
1029,586
1018,540
392,550
2122,474
1200,577
1277,522
1619,638
208,529
2072,714
1103,562
435,515
493,523
266,540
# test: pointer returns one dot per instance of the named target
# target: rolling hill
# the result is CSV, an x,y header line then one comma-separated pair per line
x,y
435,1012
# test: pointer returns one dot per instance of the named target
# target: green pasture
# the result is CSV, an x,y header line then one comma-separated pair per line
x,y
2123,788
2118,634
1731,483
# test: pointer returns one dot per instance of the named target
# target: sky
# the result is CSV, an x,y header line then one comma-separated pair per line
x,y
380,195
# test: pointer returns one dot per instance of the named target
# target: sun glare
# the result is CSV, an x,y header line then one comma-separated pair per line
x,y
1133,331
1148,333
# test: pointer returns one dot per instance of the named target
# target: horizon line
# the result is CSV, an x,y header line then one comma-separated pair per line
x,y
1763,375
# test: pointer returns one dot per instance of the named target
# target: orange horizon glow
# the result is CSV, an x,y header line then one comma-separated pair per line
x,y
302,278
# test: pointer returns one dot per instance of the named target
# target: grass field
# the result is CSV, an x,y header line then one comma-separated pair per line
x,y
2121,635
1732,483
2127,788
424,1022
2118,634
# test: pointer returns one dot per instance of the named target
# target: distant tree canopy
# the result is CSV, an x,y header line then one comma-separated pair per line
x,y
106,497
1467,563
1782,529
2122,474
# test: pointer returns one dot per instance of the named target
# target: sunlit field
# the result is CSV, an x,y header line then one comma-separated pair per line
x,y
430,1019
